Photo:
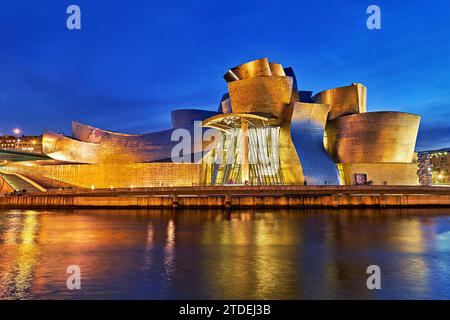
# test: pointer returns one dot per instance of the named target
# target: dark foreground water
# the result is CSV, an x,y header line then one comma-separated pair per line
x,y
194,254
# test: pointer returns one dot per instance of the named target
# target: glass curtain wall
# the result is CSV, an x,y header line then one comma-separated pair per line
x,y
224,164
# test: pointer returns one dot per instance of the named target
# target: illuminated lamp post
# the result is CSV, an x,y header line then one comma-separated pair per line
x,y
17,132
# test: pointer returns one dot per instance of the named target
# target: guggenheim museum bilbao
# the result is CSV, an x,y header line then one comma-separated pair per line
x,y
265,132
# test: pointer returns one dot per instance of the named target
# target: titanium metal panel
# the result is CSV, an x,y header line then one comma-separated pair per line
x,y
102,146
307,131
92,134
60,147
373,137
268,95
344,100
255,68
276,69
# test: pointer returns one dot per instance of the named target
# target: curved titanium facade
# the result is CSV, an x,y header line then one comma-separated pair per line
x,y
268,95
94,145
62,148
307,130
265,132
373,137
92,134
255,68
259,86
113,147
262,88
344,100
277,69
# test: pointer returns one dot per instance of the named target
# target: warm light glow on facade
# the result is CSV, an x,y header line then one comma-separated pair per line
x,y
271,134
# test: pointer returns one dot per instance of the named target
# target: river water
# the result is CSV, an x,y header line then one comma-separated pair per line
x,y
217,254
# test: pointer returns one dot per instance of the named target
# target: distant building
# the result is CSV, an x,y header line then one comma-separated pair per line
x,y
31,144
8,142
440,166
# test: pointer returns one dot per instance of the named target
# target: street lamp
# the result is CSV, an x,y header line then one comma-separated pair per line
x,y
17,132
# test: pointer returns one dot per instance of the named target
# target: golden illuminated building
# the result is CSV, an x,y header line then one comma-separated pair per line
x,y
265,132
343,101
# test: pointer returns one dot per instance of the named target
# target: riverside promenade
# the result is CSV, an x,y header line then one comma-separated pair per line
x,y
234,197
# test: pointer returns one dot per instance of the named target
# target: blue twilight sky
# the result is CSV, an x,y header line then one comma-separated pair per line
x,y
135,61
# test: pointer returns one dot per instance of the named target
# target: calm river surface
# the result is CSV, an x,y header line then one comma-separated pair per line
x,y
214,254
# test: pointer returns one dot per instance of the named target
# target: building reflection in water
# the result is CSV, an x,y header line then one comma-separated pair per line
x,y
252,255
149,247
169,250
19,253
283,254
369,237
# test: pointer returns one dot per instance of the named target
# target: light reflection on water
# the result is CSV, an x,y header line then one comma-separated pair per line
x,y
213,254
